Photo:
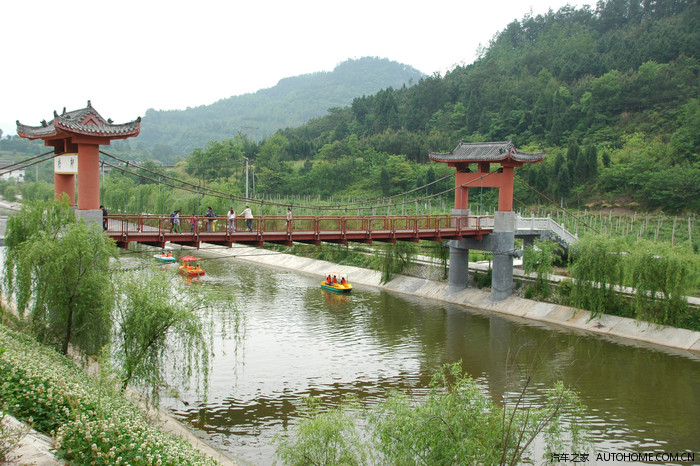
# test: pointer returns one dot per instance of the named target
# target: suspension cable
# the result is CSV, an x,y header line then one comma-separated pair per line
x,y
224,195
555,204
23,164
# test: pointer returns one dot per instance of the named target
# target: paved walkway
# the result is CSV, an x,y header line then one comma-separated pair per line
x,y
34,448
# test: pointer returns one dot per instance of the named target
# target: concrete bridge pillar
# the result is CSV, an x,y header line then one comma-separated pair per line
x,y
458,277
504,245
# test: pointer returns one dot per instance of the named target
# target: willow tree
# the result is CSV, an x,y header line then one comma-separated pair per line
x,y
540,258
597,269
57,270
163,330
662,276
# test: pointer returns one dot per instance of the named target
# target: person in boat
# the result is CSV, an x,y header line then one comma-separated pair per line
x,y
342,281
335,279
328,280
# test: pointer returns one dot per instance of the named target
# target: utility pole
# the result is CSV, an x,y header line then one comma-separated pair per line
x,y
246,177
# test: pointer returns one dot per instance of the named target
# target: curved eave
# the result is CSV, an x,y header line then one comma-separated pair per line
x,y
108,131
35,132
491,152
521,157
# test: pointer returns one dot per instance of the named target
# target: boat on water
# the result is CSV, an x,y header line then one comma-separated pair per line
x,y
165,257
187,267
337,282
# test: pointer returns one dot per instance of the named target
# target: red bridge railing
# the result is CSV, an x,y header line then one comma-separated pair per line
x,y
158,229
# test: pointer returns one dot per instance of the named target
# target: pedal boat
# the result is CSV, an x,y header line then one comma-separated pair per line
x,y
165,257
338,283
188,269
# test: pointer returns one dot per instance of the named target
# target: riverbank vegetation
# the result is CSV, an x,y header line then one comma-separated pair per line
x,y
642,279
88,417
70,293
454,423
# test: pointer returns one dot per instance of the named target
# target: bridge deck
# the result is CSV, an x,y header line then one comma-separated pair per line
x,y
156,230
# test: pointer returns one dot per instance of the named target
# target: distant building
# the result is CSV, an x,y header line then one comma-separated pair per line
x,y
17,175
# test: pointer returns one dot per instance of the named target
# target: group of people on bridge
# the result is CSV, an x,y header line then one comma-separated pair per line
x,y
211,218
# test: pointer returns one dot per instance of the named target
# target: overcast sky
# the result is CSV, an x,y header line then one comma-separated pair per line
x,y
128,56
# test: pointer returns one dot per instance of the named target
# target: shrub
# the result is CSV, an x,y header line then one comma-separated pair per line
x,y
90,420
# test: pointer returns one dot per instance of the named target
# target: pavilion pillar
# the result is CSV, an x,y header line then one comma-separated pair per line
x,y
64,183
458,268
505,189
503,252
88,176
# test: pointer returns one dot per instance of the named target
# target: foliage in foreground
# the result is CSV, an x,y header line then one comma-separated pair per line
x,y
324,437
157,320
89,418
456,423
57,267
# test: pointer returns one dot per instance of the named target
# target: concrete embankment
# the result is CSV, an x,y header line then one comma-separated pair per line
x,y
622,329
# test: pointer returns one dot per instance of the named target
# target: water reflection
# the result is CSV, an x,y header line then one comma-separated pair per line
x,y
299,341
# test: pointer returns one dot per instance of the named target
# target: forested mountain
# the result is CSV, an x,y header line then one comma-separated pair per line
x,y
292,102
610,94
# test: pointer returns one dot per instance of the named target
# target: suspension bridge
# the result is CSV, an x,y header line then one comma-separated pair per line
x,y
156,230
77,135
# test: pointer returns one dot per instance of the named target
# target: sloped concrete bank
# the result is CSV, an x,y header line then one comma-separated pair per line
x,y
623,329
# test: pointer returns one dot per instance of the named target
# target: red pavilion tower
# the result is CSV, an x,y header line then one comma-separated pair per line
x,y
501,242
76,137
483,154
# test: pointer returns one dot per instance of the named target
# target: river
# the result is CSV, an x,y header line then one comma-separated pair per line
x,y
296,340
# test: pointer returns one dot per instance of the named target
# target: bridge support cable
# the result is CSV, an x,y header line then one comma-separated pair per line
x,y
25,163
555,204
251,200
191,187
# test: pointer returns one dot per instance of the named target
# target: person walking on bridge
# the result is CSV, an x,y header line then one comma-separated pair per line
x,y
210,220
176,222
231,220
105,220
248,216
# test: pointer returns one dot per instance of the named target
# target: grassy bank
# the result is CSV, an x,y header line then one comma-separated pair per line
x,y
90,419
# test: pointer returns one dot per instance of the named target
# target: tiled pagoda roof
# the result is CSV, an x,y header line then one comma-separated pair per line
x,y
85,121
494,152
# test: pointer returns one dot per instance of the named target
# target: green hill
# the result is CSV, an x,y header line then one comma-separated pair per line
x,y
292,102
611,94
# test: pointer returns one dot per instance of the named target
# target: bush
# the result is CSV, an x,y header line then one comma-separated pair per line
x,y
324,438
90,420
455,423
483,280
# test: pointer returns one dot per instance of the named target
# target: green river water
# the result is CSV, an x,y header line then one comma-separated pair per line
x,y
296,340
